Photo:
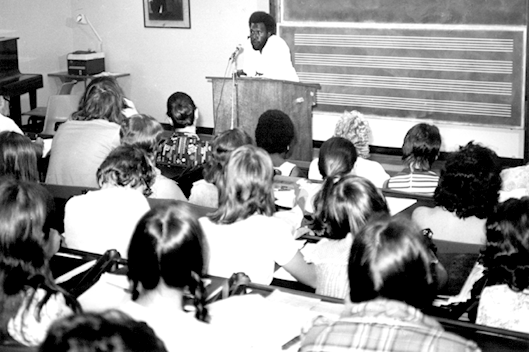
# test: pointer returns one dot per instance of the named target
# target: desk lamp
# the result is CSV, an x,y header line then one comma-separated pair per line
x,y
81,19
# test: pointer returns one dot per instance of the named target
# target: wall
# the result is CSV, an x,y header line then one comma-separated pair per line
x,y
160,60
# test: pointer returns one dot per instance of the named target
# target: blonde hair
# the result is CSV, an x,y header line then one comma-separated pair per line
x,y
354,127
248,187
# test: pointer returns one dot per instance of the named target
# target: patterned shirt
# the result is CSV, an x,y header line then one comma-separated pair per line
x,y
382,325
414,182
501,307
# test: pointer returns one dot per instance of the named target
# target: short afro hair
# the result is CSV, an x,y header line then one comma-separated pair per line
x,y
470,182
274,132
265,18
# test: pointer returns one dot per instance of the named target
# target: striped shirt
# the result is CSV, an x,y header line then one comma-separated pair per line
x,y
423,182
385,326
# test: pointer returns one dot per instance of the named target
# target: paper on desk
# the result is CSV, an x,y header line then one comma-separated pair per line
x,y
108,292
47,146
465,293
260,324
396,205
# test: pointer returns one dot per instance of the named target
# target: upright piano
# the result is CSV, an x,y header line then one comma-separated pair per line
x,y
13,83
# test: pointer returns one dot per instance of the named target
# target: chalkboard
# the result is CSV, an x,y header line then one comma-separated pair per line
x,y
469,12
470,74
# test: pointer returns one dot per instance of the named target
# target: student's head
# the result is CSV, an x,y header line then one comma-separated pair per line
x,y
127,166
421,146
26,242
221,147
181,109
354,127
168,248
141,130
470,182
18,157
506,255
247,186
108,331
345,204
390,259
103,99
337,157
262,26
274,132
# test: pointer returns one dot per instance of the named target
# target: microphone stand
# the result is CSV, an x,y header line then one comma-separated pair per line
x,y
234,102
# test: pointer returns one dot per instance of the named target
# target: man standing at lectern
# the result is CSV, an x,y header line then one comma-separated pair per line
x,y
266,54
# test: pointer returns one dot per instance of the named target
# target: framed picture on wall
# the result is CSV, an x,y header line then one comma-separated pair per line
x,y
166,13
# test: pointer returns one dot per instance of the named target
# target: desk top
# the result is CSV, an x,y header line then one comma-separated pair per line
x,y
65,74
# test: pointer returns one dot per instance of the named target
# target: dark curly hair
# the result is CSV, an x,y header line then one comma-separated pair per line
x,y
470,182
506,256
265,18
274,132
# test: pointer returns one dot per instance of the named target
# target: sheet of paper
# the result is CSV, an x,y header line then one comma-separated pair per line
x,y
396,205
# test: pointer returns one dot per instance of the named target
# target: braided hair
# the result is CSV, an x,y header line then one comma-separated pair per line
x,y
168,244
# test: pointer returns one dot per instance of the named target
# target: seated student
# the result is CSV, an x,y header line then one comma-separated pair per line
x,y
419,151
108,331
390,282
466,195
182,113
18,157
355,128
6,123
205,192
242,233
145,132
105,219
342,207
275,134
166,259
29,298
504,302
84,141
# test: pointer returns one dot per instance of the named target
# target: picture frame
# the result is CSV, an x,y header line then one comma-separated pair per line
x,y
166,14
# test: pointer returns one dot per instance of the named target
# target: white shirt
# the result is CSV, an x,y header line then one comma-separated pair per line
x,y
273,61
103,219
7,124
251,246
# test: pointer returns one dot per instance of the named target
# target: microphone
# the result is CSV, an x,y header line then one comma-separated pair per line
x,y
239,49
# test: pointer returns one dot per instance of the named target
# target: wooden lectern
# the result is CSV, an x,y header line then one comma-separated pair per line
x,y
238,102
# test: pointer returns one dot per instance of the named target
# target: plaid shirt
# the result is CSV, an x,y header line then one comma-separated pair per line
x,y
382,325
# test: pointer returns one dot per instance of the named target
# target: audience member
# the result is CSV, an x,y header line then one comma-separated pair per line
x,y
355,128
342,207
419,151
29,298
182,113
127,107
275,133
84,141
167,261
390,282
108,331
242,234
466,195
145,132
504,302
105,219
18,157
205,192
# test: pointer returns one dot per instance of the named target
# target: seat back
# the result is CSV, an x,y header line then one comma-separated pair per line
x,y
60,107
66,87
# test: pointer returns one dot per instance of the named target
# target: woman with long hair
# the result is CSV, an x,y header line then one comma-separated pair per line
x,y
167,259
242,233
342,207
18,157
29,298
